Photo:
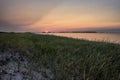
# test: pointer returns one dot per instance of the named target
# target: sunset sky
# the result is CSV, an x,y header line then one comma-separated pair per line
x,y
59,15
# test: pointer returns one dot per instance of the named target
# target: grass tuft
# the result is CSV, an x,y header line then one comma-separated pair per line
x,y
69,59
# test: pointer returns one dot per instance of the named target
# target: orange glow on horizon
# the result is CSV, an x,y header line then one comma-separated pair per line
x,y
47,16
46,31
74,21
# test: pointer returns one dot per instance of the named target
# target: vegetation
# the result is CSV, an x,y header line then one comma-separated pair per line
x,y
69,59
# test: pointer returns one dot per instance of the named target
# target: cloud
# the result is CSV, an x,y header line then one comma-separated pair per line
x,y
20,14
17,13
6,26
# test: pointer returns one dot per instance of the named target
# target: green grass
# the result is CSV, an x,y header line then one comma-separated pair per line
x,y
69,59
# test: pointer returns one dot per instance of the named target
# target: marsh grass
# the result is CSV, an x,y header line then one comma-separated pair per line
x,y
69,59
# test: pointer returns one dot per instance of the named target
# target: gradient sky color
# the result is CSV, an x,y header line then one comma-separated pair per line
x,y
59,15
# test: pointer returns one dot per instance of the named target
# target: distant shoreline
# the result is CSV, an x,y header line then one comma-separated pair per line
x,y
60,32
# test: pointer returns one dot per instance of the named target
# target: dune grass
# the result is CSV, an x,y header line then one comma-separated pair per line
x,y
69,59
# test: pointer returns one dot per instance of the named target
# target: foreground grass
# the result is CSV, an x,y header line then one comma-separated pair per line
x,y
69,59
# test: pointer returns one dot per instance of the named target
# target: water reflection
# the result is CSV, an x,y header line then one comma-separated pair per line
x,y
107,37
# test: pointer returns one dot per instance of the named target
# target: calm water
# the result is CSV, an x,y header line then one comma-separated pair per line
x,y
109,37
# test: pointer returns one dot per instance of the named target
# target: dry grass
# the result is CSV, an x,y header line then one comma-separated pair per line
x,y
69,59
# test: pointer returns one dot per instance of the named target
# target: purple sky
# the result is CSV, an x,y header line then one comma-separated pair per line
x,y
59,15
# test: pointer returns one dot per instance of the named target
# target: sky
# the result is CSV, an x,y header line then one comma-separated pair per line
x,y
59,15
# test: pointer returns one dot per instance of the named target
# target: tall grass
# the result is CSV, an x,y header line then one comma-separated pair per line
x,y
69,59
